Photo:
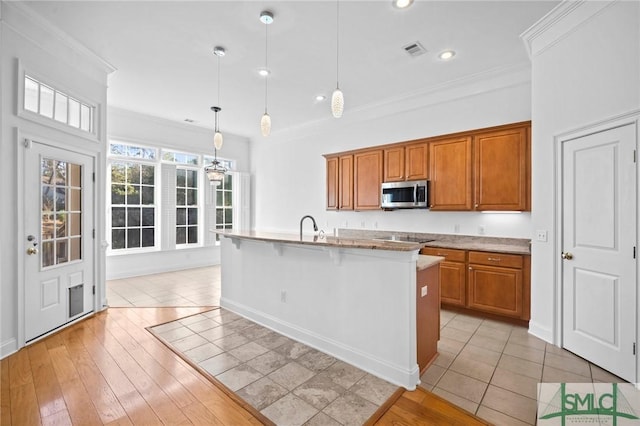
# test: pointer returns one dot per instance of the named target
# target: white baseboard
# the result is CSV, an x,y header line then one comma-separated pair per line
x,y
540,332
391,373
8,347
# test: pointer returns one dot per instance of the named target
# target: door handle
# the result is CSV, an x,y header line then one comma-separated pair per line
x,y
566,255
31,251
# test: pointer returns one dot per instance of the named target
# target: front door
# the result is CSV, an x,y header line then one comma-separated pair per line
x,y
598,254
58,243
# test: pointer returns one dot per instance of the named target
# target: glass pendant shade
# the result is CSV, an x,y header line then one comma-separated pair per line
x,y
217,140
215,172
265,124
337,103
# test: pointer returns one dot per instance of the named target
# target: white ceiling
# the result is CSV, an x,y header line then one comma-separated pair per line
x,y
165,66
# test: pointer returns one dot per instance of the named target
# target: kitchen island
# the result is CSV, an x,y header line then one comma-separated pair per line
x,y
354,299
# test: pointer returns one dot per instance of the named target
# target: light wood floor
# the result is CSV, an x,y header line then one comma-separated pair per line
x,y
108,369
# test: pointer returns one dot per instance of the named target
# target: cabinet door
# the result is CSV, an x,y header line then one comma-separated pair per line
x,y
453,283
394,164
450,171
367,179
495,289
332,183
345,182
417,161
501,170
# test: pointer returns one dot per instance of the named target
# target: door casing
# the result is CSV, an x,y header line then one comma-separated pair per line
x,y
613,122
24,140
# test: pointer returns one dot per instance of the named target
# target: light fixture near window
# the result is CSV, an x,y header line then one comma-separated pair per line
x,y
216,171
266,18
402,4
337,98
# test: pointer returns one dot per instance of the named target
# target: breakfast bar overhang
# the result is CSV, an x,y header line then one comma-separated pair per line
x,y
353,299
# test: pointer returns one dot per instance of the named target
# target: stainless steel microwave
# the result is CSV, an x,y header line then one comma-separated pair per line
x,y
405,195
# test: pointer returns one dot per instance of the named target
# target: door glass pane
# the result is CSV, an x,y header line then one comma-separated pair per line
x,y
76,253
61,218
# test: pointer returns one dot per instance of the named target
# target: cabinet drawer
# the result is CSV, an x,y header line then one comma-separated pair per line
x,y
450,255
495,259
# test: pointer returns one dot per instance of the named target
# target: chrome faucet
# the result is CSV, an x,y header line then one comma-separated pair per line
x,y
315,227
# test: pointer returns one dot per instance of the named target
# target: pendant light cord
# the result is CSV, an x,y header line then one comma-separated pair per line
x,y
218,94
266,66
337,43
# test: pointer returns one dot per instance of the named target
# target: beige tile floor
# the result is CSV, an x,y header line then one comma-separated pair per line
x,y
287,381
487,367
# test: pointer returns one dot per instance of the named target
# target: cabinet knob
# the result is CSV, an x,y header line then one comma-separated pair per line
x,y
476,206
470,268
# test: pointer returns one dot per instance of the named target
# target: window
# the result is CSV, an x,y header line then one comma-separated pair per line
x,y
161,199
133,200
224,204
61,234
186,206
48,102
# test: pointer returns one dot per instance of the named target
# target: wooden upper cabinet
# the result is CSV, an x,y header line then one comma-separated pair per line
x,y
406,162
450,171
394,164
340,183
367,166
417,161
502,160
332,183
345,182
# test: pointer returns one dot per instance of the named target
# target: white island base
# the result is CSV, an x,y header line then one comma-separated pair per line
x,y
356,304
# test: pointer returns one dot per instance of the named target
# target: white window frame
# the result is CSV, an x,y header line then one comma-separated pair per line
x,y
22,72
111,158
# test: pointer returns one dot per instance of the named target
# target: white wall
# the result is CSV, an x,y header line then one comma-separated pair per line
x,y
288,169
585,68
59,61
129,126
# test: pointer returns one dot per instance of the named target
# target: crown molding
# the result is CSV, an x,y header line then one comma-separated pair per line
x,y
20,17
560,22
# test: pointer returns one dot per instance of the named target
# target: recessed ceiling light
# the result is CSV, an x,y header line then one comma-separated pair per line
x,y
401,4
320,98
264,72
446,55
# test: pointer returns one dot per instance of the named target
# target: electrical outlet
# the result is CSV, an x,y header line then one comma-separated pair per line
x,y
283,296
456,228
541,235
481,230
423,291
362,224
375,225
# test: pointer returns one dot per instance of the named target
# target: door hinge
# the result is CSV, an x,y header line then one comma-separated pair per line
x,y
93,176
93,289
634,348
93,234
634,252
634,156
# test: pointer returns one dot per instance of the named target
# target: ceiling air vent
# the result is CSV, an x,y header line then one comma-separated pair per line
x,y
414,49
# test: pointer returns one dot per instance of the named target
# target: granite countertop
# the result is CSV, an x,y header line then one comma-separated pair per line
x,y
425,261
450,241
323,240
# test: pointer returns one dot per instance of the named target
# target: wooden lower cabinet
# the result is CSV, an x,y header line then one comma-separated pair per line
x,y
453,275
495,283
427,315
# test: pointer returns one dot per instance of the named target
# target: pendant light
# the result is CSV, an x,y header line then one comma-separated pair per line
x,y
216,171
266,18
337,98
217,137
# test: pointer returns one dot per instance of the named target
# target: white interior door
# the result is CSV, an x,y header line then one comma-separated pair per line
x,y
599,239
58,241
